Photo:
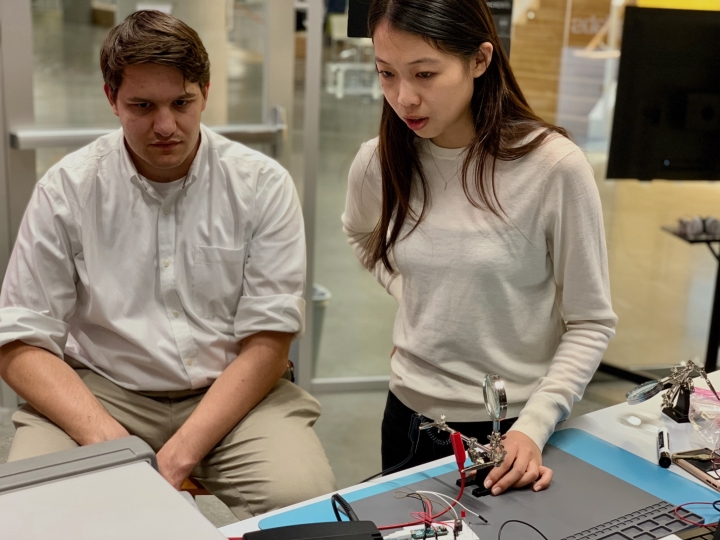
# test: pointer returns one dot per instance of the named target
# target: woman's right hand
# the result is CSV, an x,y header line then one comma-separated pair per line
x,y
522,466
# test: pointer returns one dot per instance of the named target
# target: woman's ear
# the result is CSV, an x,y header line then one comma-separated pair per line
x,y
482,59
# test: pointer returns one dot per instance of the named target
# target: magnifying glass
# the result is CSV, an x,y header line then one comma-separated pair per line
x,y
495,399
644,392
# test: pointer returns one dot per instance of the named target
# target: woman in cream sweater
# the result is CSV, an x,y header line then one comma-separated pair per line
x,y
484,223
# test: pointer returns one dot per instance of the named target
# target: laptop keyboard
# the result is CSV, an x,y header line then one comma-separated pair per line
x,y
650,523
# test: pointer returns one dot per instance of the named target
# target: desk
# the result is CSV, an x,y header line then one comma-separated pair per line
x,y
611,425
634,427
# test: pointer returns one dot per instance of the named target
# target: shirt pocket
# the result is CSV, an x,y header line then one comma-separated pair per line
x,y
217,281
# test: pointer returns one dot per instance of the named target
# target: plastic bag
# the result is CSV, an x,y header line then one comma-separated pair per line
x,y
705,416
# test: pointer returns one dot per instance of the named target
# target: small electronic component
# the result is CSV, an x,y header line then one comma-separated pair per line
x,y
435,531
462,531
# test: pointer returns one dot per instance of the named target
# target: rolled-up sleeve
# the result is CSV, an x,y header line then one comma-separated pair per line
x,y
274,276
38,293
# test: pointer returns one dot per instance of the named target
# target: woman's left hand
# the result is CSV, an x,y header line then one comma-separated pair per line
x,y
522,466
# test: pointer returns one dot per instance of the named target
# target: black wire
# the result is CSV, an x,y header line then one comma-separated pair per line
x,y
715,505
518,521
391,469
345,508
414,436
426,509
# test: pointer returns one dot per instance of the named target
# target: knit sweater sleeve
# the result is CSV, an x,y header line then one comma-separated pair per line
x,y
363,208
575,236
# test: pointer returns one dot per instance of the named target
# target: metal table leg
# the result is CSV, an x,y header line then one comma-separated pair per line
x,y
714,335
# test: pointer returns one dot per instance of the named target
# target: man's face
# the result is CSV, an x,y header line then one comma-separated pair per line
x,y
160,116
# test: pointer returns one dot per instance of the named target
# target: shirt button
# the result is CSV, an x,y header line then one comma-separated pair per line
x,y
176,313
190,361
166,211
166,263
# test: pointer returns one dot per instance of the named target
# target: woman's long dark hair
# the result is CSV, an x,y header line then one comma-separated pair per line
x,y
501,114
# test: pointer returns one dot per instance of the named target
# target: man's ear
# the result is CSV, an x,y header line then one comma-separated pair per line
x,y
482,59
205,92
111,99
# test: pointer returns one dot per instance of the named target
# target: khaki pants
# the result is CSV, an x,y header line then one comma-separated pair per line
x,y
271,459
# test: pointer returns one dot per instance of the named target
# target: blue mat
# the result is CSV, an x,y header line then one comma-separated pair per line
x,y
625,465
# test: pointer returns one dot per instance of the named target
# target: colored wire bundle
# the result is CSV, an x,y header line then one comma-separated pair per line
x,y
446,499
431,517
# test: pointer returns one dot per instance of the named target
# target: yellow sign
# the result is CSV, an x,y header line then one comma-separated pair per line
x,y
681,4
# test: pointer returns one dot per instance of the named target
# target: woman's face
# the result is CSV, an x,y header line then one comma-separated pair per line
x,y
428,89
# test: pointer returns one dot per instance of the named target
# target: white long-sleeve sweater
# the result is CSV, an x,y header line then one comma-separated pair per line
x,y
527,298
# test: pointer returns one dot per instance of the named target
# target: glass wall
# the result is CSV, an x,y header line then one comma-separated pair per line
x,y
662,287
565,54
357,327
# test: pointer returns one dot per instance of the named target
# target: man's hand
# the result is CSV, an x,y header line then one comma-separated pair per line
x,y
172,466
241,386
522,466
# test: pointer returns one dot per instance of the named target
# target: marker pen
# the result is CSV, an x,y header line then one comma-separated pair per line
x,y
663,448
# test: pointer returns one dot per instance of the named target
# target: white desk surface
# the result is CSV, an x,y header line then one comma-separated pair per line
x,y
610,424
123,503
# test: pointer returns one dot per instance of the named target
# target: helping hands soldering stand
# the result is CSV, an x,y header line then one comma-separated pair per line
x,y
679,386
482,456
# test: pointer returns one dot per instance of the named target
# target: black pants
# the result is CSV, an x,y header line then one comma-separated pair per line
x,y
433,444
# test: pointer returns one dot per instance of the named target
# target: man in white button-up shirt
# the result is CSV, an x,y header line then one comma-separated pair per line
x,y
155,287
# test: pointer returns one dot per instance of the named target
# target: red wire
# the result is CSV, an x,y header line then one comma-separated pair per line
x,y
425,516
690,521
432,518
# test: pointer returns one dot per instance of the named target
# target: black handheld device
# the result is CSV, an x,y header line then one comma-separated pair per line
x,y
335,530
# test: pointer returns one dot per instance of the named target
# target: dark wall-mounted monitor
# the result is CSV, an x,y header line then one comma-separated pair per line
x,y
501,10
357,18
667,111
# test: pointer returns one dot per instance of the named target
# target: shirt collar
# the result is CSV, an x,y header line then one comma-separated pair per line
x,y
128,170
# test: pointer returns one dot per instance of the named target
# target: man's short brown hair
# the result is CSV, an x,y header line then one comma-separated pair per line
x,y
153,37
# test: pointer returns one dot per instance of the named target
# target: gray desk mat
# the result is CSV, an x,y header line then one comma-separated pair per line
x,y
582,502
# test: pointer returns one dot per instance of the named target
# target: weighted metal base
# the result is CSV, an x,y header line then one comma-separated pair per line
x,y
477,480
676,415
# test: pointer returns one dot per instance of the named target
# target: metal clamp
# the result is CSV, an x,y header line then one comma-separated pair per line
x,y
482,456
